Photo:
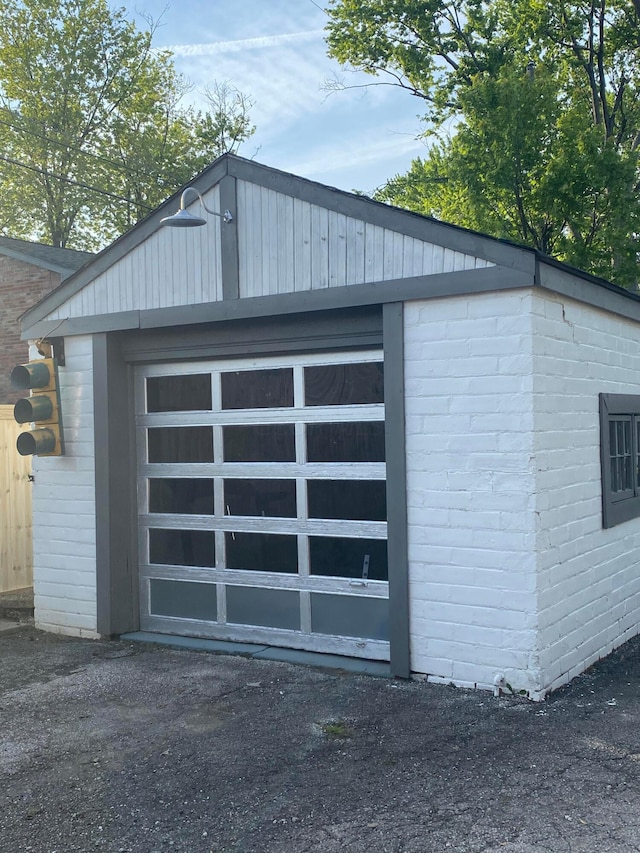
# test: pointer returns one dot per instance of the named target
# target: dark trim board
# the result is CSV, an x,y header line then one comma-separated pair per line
x,y
354,327
397,534
461,283
229,241
115,497
590,291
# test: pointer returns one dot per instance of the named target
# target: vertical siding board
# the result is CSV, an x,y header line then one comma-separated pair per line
x,y
355,250
83,300
154,262
388,243
246,236
203,288
427,258
369,252
123,285
337,250
262,279
398,255
438,260
196,238
375,252
319,247
302,225
169,273
459,261
278,243
287,268
255,285
214,291
412,257
448,261
271,247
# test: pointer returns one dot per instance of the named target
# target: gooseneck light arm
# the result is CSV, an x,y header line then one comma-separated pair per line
x,y
184,219
227,215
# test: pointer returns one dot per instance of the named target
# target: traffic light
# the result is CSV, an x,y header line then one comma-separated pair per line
x,y
42,408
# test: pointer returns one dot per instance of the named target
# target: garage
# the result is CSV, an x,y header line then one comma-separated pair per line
x,y
340,430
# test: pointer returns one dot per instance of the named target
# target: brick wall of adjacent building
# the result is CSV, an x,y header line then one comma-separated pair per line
x,y
22,285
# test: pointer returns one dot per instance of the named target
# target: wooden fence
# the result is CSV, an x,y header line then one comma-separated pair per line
x,y
16,554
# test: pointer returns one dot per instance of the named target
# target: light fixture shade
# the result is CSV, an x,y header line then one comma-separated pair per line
x,y
183,219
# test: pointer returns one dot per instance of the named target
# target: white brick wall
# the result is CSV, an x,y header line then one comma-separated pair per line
x,y
511,570
471,479
64,529
588,577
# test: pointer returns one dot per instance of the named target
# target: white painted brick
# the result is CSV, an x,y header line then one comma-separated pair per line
x,y
64,508
589,598
480,481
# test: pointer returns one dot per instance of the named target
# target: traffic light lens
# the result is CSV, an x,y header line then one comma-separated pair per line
x,y
29,409
36,442
33,375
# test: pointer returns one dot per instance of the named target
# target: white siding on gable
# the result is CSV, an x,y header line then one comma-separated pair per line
x,y
173,266
589,583
288,245
64,523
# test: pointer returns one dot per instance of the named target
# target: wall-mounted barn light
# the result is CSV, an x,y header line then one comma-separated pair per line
x,y
184,219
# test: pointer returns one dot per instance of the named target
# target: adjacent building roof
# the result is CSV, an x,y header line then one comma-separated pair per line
x,y
63,261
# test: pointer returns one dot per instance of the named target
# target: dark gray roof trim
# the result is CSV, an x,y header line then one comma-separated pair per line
x,y
460,283
594,291
63,261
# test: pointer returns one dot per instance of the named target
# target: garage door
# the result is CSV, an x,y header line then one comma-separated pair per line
x,y
262,501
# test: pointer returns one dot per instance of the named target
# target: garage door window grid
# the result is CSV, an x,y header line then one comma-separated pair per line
x,y
263,468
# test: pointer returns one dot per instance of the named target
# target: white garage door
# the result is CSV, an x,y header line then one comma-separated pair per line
x,y
262,501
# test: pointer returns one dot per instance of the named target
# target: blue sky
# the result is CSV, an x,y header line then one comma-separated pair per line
x,y
274,52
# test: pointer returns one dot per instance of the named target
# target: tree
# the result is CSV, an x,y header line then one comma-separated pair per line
x,y
534,116
93,132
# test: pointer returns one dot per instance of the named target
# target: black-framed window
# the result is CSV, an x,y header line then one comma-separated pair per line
x,y
620,457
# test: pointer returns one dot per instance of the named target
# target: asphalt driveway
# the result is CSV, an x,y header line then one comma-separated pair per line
x,y
123,747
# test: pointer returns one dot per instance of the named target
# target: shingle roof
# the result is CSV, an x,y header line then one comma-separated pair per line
x,y
63,261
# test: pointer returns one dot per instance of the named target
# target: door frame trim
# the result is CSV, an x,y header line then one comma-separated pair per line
x,y
115,459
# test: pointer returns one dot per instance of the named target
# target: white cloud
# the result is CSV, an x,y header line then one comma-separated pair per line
x,y
275,53
238,45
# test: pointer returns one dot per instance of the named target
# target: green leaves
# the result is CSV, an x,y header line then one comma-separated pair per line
x,y
536,120
92,131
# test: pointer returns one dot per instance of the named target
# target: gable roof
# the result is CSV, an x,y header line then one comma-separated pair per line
x,y
512,265
63,261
